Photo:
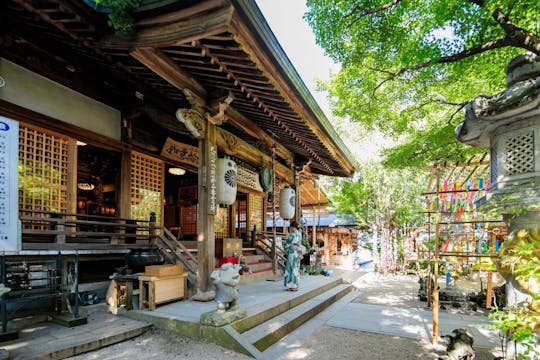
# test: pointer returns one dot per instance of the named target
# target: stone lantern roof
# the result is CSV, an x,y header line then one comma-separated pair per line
x,y
520,101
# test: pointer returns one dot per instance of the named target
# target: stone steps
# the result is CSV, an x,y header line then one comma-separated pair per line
x,y
264,335
47,340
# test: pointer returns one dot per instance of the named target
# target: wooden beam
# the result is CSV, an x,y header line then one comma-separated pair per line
x,y
242,123
234,146
182,14
163,34
170,72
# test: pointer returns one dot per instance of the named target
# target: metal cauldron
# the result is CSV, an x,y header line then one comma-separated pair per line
x,y
137,259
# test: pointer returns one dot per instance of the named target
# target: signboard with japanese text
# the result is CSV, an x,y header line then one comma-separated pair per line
x,y
9,157
180,152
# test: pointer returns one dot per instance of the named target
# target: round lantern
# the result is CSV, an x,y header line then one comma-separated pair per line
x,y
287,200
225,181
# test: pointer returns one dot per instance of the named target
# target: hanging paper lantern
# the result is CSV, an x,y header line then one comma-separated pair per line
x,y
287,199
225,181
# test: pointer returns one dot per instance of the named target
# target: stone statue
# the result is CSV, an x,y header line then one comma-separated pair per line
x,y
226,279
460,343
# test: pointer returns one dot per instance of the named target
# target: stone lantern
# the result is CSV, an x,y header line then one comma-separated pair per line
x,y
508,124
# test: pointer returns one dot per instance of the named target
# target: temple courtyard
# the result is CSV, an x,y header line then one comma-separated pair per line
x,y
381,318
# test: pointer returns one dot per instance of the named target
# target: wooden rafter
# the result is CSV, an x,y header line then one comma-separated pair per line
x,y
250,94
170,71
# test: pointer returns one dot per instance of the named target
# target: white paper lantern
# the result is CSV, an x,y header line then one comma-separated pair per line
x,y
225,181
287,199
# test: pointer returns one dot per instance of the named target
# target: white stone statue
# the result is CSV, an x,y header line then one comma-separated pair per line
x,y
226,279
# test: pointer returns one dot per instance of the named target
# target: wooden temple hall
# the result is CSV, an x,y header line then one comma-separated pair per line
x,y
179,137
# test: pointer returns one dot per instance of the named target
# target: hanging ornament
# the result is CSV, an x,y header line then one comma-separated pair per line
x,y
225,181
287,201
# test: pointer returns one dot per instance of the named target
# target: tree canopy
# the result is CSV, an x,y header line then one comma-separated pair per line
x,y
409,67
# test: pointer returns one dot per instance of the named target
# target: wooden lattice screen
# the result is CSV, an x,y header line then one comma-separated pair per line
x,y
188,220
241,215
256,212
221,223
146,186
43,170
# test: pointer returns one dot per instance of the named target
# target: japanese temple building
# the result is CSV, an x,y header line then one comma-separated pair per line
x,y
121,137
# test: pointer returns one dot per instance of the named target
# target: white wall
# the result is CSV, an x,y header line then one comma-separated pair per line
x,y
37,93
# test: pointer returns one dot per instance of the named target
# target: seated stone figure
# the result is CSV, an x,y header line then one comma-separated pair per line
x,y
460,343
226,280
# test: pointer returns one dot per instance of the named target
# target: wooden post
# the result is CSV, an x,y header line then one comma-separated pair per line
x,y
489,291
125,185
314,229
207,208
297,202
436,269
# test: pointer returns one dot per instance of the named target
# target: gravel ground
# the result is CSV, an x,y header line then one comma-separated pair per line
x,y
326,343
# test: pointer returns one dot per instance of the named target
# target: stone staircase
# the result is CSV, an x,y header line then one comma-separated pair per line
x,y
260,268
264,329
272,314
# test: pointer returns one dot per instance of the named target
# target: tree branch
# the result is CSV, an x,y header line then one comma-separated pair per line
x,y
517,36
490,45
365,11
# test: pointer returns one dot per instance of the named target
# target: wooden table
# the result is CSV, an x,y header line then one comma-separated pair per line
x,y
155,290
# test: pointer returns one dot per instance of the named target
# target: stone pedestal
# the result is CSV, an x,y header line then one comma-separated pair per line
x,y
217,318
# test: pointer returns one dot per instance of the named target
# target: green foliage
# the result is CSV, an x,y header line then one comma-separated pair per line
x,y
120,17
520,322
376,192
399,74
381,199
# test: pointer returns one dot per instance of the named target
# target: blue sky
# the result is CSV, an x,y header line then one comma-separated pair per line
x,y
297,39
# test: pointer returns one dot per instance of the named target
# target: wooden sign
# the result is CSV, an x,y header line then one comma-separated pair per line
x,y
212,182
180,152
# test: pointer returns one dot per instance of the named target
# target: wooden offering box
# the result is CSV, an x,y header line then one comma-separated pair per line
x,y
155,290
163,270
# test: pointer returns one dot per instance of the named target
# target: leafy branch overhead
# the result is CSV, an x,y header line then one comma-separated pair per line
x,y
408,67
120,15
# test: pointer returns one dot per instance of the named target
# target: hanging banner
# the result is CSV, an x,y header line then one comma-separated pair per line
x,y
180,152
9,203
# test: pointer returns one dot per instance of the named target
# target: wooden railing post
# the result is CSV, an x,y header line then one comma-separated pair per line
x,y
152,228
60,227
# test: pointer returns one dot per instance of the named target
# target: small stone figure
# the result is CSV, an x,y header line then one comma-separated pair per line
x,y
459,347
226,279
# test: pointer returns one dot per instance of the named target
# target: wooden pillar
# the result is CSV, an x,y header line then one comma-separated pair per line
x,y
489,291
314,228
297,200
207,208
435,339
125,185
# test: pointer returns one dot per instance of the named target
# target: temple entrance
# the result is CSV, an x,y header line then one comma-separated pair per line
x,y
97,181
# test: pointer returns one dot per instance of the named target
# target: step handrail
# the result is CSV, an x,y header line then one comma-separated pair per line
x,y
266,247
175,251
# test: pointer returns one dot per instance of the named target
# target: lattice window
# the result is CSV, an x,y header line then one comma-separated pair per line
x,y
241,214
256,212
494,171
221,223
43,170
146,187
519,154
188,220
